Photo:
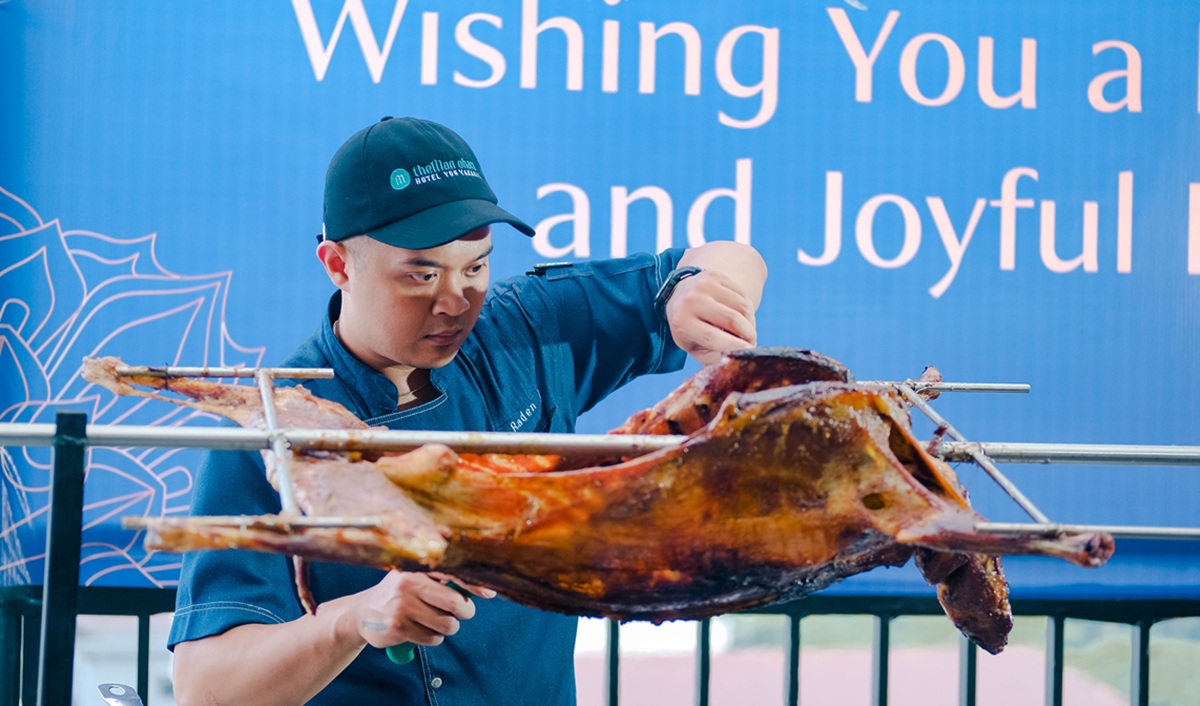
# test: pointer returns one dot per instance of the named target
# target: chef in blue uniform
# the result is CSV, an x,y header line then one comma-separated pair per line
x,y
418,341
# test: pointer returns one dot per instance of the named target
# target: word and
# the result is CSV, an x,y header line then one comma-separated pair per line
x,y
579,217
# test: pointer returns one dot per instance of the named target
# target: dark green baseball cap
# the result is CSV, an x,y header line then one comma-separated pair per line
x,y
410,183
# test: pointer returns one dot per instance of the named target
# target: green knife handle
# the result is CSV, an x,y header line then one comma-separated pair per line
x,y
402,653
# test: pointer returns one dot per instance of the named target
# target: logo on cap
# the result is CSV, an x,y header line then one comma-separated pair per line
x,y
400,179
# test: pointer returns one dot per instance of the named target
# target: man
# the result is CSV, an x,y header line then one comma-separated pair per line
x,y
414,345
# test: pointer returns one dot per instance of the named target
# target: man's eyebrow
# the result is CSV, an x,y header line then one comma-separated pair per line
x,y
422,262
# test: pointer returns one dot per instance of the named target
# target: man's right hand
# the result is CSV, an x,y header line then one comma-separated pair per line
x,y
290,663
412,607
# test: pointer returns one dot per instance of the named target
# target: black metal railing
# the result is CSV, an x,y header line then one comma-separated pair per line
x,y
1141,615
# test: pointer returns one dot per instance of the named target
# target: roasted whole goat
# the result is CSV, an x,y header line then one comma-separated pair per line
x,y
792,477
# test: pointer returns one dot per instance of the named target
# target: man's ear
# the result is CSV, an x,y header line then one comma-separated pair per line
x,y
336,260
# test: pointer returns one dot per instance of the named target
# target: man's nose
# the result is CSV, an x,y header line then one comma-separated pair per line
x,y
452,299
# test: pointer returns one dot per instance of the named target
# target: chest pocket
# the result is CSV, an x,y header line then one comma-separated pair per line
x,y
528,415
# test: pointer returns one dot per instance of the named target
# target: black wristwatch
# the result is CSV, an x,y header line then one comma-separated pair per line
x,y
668,287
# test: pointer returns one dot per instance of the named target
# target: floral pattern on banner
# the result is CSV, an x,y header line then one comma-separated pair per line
x,y
71,294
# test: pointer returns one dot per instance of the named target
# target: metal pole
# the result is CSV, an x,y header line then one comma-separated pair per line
x,y
1139,678
1055,628
60,590
10,649
880,651
143,658
703,661
613,695
968,654
792,678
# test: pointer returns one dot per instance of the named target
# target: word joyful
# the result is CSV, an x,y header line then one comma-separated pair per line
x,y
533,28
955,240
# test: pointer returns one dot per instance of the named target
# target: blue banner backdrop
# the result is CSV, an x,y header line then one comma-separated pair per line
x,y
1009,191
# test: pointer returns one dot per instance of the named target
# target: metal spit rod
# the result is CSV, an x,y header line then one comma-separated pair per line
x,y
977,454
1010,387
1119,531
278,442
241,439
166,371
277,522
182,371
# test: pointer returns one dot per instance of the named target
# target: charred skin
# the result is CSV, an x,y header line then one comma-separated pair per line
x,y
694,404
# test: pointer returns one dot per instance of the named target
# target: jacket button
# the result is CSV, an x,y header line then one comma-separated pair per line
x,y
436,682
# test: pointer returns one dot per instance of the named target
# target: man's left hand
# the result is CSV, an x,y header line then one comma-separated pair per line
x,y
712,313
709,315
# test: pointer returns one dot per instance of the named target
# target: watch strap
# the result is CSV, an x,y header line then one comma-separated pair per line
x,y
668,287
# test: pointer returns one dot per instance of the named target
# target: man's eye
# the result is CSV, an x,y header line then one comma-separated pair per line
x,y
476,269
423,276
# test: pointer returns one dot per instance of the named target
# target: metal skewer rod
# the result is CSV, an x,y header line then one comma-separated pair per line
x,y
241,439
279,443
180,371
248,521
977,455
1115,454
1120,531
171,371
1010,387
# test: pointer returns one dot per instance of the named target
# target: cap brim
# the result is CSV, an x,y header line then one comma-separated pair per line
x,y
441,224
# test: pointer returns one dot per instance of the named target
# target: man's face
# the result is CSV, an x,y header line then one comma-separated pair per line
x,y
412,308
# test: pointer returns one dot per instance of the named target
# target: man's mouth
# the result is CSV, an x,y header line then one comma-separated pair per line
x,y
445,338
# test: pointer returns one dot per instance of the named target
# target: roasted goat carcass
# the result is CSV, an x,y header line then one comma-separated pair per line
x,y
792,477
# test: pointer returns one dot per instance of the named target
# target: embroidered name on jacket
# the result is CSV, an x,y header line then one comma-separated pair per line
x,y
528,413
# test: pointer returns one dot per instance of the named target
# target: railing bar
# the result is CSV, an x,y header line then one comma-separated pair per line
x,y
613,664
879,656
703,661
1055,628
143,658
30,652
1139,681
968,656
792,677
60,592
